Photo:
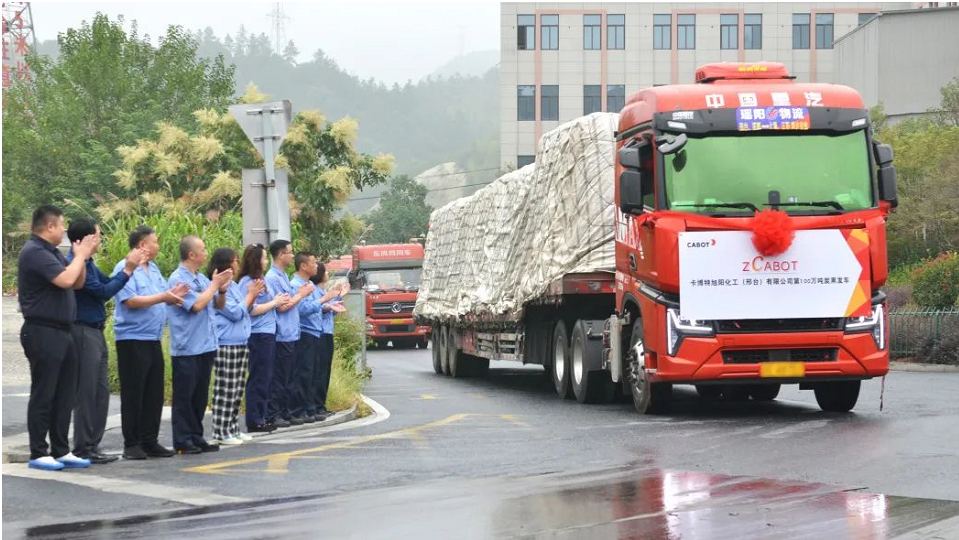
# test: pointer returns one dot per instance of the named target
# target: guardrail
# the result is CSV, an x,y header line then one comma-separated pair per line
x,y
931,335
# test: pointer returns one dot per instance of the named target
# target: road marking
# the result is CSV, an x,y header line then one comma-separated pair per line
x,y
279,463
17,395
427,397
794,429
477,396
512,420
191,496
380,414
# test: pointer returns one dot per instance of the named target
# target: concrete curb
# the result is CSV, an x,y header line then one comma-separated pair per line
x,y
18,451
922,368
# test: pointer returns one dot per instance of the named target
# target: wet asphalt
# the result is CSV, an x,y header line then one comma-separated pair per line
x,y
504,457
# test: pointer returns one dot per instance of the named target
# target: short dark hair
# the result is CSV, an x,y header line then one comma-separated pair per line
x,y
277,246
221,261
301,258
43,215
137,235
81,228
320,275
187,244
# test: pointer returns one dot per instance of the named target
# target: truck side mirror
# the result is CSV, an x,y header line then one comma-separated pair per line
x,y
882,153
887,185
629,156
631,192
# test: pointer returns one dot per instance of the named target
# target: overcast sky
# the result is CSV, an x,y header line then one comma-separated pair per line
x,y
390,41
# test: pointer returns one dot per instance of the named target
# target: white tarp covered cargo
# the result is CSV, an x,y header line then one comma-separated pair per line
x,y
489,254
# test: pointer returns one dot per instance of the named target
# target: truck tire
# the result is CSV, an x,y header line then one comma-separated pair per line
x,y
589,386
444,350
437,365
648,398
459,364
560,361
838,396
764,392
709,391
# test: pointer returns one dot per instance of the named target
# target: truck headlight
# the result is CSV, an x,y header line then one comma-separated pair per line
x,y
677,328
874,324
369,326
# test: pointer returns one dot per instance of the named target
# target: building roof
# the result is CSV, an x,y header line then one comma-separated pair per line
x,y
882,14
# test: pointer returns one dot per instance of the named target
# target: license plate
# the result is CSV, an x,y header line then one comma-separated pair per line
x,y
782,369
397,321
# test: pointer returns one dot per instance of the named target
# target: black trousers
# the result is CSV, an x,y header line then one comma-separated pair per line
x,y
323,370
140,367
93,390
282,388
262,359
307,362
53,387
191,391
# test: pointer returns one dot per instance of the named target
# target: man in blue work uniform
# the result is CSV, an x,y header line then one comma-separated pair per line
x,y
93,389
282,388
193,344
139,318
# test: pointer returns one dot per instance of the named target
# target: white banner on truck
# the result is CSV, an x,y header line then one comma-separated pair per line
x,y
722,276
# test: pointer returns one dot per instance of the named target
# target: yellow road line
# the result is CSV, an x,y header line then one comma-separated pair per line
x,y
279,463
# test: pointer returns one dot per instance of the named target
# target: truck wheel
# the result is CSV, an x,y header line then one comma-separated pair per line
x,y
560,362
458,362
838,396
444,350
764,392
709,391
437,365
589,386
648,398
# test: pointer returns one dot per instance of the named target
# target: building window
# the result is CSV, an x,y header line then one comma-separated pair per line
x,y
522,161
729,31
526,32
550,29
662,31
753,31
615,97
592,98
526,102
592,32
616,32
549,102
800,30
685,31
824,30
865,17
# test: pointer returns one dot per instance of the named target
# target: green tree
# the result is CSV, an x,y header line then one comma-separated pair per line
x,y
197,168
401,215
106,88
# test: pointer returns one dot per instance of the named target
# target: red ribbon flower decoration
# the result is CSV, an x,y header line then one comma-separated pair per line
x,y
773,232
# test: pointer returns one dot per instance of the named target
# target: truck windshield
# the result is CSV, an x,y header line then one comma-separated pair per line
x,y
393,279
717,171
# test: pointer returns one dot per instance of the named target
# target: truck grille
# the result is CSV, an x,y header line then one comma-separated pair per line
x,y
756,356
397,328
747,326
387,307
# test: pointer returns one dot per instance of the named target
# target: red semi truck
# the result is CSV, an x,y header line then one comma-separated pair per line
x,y
390,274
706,290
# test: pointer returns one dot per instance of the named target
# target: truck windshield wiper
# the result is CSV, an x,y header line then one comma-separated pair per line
x,y
742,205
830,204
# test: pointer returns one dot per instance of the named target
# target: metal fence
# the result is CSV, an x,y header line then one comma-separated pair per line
x,y
929,334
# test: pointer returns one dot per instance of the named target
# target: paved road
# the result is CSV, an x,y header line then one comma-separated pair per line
x,y
503,456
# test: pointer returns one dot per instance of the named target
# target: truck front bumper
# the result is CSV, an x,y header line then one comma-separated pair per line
x,y
394,327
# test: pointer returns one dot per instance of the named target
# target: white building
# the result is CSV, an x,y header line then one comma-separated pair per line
x,y
559,61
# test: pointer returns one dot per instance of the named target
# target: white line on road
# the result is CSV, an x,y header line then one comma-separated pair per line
x,y
191,496
380,413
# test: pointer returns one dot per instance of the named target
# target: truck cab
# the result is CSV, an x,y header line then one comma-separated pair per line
x,y
697,303
390,275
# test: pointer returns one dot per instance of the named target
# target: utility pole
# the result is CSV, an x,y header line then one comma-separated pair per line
x,y
279,27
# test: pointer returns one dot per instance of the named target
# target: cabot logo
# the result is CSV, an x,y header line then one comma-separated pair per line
x,y
702,244
761,265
